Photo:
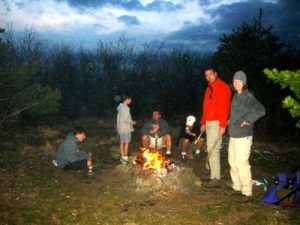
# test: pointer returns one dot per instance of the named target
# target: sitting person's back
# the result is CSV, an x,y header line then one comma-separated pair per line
x,y
69,155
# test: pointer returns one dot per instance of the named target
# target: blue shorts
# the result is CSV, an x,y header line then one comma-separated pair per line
x,y
125,137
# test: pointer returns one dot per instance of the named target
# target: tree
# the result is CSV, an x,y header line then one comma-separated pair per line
x,y
19,94
252,47
291,80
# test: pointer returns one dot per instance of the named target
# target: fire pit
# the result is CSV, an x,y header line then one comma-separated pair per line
x,y
154,160
153,172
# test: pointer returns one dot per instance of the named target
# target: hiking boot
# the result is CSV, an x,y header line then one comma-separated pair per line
x,y
233,192
212,184
205,178
244,198
229,184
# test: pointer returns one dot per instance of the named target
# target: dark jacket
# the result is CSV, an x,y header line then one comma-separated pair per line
x,y
184,135
69,151
244,107
164,128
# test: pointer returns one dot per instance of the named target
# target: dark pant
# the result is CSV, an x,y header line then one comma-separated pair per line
x,y
78,165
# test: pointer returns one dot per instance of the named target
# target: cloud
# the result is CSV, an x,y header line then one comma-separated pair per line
x,y
132,5
129,20
126,4
194,24
160,5
283,15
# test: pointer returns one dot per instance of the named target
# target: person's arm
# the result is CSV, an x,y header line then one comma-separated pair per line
x,y
126,116
71,152
164,128
204,105
146,128
82,154
255,111
223,99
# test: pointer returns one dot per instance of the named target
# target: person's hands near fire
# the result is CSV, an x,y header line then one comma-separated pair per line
x,y
154,128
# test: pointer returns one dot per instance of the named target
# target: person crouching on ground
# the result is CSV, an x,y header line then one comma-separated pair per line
x,y
245,110
156,133
189,133
125,127
70,156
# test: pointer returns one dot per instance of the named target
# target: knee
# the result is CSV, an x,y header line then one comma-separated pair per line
x,y
145,138
168,137
184,141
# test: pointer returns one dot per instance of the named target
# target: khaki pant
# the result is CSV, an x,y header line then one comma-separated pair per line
x,y
238,157
212,135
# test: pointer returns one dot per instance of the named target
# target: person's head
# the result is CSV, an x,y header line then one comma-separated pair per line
x,y
190,120
80,134
239,81
210,75
127,99
156,115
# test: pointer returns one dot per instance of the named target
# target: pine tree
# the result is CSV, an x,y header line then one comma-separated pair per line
x,y
20,94
291,80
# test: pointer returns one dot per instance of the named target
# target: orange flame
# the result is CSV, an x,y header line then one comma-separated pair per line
x,y
153,159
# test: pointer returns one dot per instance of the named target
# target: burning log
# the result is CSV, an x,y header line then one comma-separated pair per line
x,y
154,159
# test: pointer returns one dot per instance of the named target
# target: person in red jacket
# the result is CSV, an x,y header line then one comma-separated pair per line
x,y
214,120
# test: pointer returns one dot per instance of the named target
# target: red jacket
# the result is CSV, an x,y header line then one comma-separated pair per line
x,y
216,103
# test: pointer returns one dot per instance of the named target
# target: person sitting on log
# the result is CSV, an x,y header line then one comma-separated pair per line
x,y
190,134
156,133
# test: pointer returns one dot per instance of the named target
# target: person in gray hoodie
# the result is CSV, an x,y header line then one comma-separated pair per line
x,y
125,127
70,156
244,111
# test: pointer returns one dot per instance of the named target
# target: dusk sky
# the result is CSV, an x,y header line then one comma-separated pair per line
x,y
193,24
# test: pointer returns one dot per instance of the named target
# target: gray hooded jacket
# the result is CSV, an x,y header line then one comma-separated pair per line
x,y
244,107
69,151
124,120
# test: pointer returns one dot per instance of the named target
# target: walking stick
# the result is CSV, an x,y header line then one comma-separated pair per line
x,y
197,139
209,153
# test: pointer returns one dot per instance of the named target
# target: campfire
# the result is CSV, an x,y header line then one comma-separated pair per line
x,y
155,160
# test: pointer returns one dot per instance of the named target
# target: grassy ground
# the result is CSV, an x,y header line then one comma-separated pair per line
x,y
32,191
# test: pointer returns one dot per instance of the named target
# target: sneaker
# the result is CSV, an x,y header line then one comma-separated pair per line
x,y
183,156
197,154
233,192
122,160
244,198
168,153
212,184
54,162
90,171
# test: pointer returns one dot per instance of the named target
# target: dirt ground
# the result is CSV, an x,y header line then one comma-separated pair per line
x,y
33,191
